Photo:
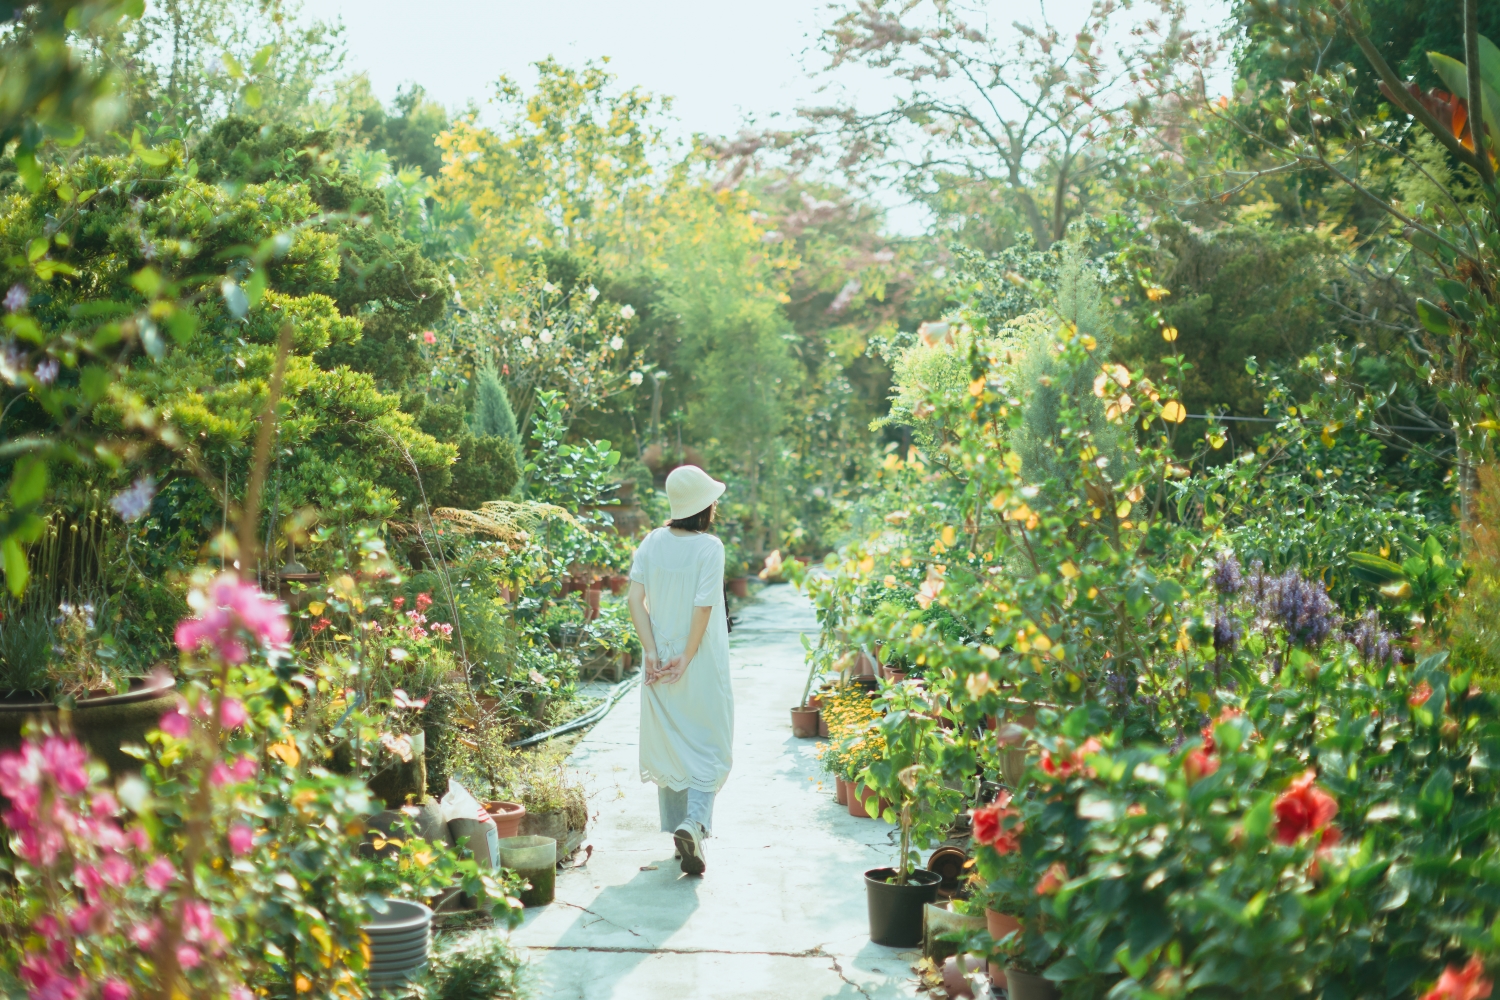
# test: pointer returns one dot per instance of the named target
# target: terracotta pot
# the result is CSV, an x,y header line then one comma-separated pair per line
x,y
840,791
815,701
893,675
103,723
618,585
591,598
504,593
805,722
999,925
864,665
507,817
855,803
956,975
740,586
822,726
867,800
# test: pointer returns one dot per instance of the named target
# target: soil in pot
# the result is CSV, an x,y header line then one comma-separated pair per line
x,y
896,910
805,722
1030,986
103,724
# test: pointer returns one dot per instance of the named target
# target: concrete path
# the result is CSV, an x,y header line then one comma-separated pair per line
x,y
780,912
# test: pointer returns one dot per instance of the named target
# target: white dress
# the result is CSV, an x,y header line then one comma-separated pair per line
x,y
687,727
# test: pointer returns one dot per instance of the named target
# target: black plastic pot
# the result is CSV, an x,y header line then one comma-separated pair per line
x,y
1030,986
896,910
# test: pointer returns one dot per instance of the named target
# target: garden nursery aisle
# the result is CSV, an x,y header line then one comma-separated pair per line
x,y
781,910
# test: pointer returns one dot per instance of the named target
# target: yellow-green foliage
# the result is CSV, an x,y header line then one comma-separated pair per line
x,y
129,226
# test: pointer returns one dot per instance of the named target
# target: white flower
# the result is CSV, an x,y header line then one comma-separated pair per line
x,y
636,378
507,324
593,293
546,337
615,343
627,311
131,504
526,342
549,287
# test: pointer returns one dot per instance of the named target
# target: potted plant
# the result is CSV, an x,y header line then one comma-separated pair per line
x,y
55,663
910,776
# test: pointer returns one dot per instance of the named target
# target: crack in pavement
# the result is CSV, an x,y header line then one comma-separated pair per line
x,y
839,971
600,916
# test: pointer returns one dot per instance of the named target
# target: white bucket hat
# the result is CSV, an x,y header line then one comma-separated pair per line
x,y
690,490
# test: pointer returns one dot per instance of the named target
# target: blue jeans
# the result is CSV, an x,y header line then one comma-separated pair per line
x,y
689,803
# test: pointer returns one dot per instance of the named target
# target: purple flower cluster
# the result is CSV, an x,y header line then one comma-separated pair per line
x,y
1373,642
1227,578
1299,605
1227,632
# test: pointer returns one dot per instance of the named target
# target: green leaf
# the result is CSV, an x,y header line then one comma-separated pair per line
x,y
28,481
31,174
1434,318
1374,569
37,249
1258,819
16,570
1436,796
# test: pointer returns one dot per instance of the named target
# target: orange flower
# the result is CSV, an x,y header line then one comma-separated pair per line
x,y
1468,983
1052,879
1302,809
1074,762
1420,694
1199,764
990,828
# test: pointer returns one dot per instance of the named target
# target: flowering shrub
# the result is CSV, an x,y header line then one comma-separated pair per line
x,y
229,865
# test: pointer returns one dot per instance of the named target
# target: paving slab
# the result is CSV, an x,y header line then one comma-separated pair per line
x,y
780,912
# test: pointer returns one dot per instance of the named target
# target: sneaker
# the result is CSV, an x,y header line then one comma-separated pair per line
x,y
689,840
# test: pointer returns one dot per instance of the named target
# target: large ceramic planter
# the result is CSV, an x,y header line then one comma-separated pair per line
x,y
805,722
1030,986
103,724
399,942
896,910
938,920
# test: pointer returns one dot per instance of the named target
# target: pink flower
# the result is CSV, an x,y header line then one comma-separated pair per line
x,y
117,870
188,957
114,990
428,337
424,601
143,936
241,838
228,611
240,993
198,923
176,723
68,762
104,804
160,873
443,629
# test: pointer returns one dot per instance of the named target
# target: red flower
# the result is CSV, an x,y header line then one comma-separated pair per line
x,y
990,828
1052,879
1303,809
1468,983
424,601
1199,764
1073,763
1209,746
1420,694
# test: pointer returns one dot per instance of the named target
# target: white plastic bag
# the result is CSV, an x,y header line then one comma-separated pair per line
x,y
459,804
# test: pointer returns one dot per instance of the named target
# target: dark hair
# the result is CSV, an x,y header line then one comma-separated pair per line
x,y
700,521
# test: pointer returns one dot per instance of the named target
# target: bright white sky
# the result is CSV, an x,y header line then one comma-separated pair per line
x,y
724,63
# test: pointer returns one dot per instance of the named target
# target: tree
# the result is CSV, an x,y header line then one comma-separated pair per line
x,y
492,413
1045,120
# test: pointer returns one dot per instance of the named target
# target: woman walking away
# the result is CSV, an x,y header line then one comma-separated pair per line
x,y
687,709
